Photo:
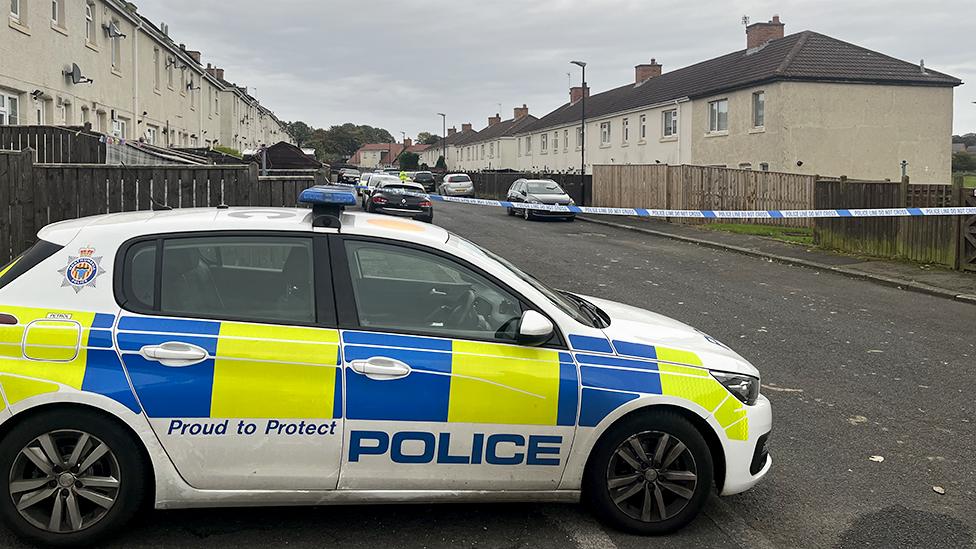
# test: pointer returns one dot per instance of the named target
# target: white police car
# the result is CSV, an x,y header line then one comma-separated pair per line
x,y
242,356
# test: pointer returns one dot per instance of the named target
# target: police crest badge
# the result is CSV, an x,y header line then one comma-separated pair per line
x,y
82,270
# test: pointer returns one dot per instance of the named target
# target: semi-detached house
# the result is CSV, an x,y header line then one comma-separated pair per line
x,y
803,103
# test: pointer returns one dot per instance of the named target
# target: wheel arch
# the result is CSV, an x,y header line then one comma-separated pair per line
x,y
708,433
20,417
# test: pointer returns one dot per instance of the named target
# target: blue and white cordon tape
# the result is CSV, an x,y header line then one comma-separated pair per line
x,y
705,214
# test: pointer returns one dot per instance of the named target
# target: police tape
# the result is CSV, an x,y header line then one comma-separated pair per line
x,y
700,214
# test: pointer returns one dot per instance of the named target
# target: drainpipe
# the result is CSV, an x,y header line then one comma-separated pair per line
x,y
135,77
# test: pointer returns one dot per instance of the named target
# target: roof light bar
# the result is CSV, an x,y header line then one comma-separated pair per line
x,y
327,203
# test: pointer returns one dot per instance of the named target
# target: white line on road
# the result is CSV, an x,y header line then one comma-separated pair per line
x,y
734,526
583,529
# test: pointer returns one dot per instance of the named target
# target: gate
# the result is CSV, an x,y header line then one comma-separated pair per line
x,y
967,233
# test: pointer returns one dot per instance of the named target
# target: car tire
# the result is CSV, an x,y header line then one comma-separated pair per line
x,y
425,219
122,464
626,489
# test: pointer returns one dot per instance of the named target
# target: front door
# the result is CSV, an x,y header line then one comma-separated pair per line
x,y
439,396
231,347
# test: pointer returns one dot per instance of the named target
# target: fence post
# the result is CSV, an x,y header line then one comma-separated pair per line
x,y
958,240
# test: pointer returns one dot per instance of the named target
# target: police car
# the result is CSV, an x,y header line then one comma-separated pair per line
x,y
249,356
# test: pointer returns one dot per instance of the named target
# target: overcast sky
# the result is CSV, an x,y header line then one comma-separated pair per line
x,y
394,64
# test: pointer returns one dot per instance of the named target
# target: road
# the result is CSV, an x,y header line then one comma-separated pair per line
x,y
855,372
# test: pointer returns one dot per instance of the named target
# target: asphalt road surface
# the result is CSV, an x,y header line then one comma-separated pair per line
x,y
872,391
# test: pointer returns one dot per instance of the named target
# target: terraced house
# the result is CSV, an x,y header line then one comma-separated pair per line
x,y
494,146
70,62
802,103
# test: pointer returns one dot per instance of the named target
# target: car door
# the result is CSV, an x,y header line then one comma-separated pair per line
x,y
514,190
229,341
439,395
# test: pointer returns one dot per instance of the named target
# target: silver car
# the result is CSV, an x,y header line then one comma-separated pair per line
x,y
457,184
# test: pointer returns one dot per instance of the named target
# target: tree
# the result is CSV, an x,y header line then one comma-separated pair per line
x,y
968,138
409,161
441,165
427,138
299,131
963,162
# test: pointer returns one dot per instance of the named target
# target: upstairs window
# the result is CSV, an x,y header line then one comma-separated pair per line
x,y
116,51
579,137
718,115
9,109
643,127
528,145
90,22
545,143
604,133
565,140
15,9
759,109
156,69
56,12
555,141
626,132
670,120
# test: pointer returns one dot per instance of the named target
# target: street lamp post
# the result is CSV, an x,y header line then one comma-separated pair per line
x,y
582,65
444,138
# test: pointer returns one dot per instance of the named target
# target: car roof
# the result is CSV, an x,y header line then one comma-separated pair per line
x,y
125,226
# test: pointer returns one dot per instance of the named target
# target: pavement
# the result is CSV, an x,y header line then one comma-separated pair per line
x,y
871,389
929,279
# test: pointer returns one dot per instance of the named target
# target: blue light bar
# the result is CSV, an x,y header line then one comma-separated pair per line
x,y
328,195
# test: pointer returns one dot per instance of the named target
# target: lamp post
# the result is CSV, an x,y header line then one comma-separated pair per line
x,y
582,65
443,139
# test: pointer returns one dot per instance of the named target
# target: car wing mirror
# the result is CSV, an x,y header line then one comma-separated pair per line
x,y
534,329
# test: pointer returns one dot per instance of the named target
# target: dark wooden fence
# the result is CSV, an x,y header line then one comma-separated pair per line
x,y
924,239
55,144
495,186
35,195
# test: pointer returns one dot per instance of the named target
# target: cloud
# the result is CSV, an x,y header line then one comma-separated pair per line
x,y
396,64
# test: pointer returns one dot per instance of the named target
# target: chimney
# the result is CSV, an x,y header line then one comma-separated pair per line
x,y
492,120
758,34
407,142
220,73
646,71
577,92
195,55
451,131
521,112
466,127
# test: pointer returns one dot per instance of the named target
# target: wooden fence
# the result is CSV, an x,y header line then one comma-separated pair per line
x,y
703,188
923,239
35,195
495,185
55,144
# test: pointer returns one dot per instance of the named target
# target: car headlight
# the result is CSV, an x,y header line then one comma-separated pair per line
x,y
743,387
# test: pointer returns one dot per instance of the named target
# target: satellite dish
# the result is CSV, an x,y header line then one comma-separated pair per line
x,y
74,73
114,31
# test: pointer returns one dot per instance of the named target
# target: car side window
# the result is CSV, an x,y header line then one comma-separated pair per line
x,y
406,289
247,278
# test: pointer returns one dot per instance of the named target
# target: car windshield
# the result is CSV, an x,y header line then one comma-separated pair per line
x,y
458,179
545,187
578,308
401,187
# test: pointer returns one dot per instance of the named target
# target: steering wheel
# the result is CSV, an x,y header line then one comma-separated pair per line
x,y
462,311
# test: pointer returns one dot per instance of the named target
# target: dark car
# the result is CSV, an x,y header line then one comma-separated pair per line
x,y
348,176
539,191
426,179
402,199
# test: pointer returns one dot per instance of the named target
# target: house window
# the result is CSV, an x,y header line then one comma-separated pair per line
x,y
520,146
156,69
579,137
56,12
528,145
116,51
643,127
604,133
118,127
90,22
545,143
565,140
759,109
491,150
62,112
626,132
555,141
151,134
39,117
718,115
670,119
745,165
9,110
15,10
764,166
182,82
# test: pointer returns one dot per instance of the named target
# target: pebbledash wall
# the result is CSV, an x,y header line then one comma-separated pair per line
x,y
145,86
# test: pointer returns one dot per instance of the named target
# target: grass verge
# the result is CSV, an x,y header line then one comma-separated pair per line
x,y
793,235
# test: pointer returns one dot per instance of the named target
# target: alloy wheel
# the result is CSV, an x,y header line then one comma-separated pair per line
x,y
64,481
652,476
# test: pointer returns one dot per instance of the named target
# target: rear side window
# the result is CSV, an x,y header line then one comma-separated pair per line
x,y
248,278
27,261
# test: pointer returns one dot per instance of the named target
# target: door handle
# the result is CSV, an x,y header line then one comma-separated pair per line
x,y
381,368
174,354
435,291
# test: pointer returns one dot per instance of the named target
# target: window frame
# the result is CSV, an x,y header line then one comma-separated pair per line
x,y
90,26
669,128
605,134
715,128
18,14
5,98
642,130
625,131
325,310
759,109
345,297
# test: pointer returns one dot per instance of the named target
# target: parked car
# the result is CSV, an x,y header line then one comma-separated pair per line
x,y
539,191
402,199
426,179
375,180
348,176
457,184
240,357
363,182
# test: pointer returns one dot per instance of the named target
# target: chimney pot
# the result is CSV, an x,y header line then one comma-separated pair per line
x,y
492,120
758,34
577,92
195,55
220,73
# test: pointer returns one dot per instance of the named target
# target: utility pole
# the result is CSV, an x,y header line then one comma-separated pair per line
x,y
444,138
582,65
